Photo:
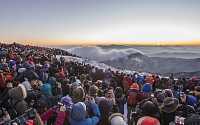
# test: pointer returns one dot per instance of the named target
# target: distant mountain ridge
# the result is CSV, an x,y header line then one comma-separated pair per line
x,y
140,62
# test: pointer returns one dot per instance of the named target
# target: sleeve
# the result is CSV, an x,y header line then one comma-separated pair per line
x,y
115,109
46,115
95,119
60,118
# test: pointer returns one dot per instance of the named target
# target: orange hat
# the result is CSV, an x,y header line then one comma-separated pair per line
x,y
135,86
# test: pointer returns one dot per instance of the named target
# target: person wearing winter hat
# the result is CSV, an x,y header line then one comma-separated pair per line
x,y
93,90
63,113
193,119
27,86
168,92
78,114
18,94
132,97
117,119
147,120
67,101
169,108
146,88
120,99
78,94
148,107
107,107
160,98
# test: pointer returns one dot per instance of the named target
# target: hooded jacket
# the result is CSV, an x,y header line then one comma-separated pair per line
x,y
78,115
18,94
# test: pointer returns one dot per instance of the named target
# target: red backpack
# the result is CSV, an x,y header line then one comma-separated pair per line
x,y
126,85
132,99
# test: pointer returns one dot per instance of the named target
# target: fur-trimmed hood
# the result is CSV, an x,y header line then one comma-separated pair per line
x,y
117,118
18,93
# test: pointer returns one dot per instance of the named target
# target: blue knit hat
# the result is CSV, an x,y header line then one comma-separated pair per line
x,y
147,88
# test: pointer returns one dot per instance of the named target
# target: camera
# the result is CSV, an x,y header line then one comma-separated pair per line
x,y
89,97
22,119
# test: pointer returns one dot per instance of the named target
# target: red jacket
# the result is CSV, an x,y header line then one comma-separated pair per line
x,y
60,117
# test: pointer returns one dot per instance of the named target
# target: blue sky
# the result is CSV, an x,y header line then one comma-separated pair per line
x,y
99,21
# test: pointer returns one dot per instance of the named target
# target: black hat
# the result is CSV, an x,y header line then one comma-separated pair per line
x,y
170,104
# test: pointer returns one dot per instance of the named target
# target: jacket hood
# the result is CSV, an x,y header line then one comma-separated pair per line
x,y
46,90
52,81
78,112
147,88
27,85
18,93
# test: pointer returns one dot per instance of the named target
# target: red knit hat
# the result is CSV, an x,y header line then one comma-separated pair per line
x,y
148,121
135,86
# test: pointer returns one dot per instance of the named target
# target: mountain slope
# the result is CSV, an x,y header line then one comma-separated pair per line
x,y
141,62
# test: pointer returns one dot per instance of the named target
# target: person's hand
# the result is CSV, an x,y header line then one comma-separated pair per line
x,y
92,100
154,100
9,85
86,98
183,99
63,108
113,101
59,86
55,107
40,83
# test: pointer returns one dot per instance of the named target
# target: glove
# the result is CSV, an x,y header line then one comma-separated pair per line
x,y
55,107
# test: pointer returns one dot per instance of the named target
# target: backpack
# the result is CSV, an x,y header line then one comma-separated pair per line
x,y
41,105
12,111
144,96
126,86
132,99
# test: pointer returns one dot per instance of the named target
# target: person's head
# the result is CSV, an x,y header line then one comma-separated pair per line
x,y
78,112
148,108
93,90
135,86
147,88
170,104
175,87
67,101
117,119
105,106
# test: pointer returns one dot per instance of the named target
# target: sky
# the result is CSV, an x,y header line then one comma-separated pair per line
x,y
78,22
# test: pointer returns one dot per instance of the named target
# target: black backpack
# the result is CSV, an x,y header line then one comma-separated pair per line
x,y
12,111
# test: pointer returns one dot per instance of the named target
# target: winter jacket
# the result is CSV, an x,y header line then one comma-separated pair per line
x,y
29,74
60,116
120,103
105,115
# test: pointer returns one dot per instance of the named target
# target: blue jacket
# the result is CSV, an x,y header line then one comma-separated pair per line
x,y
78,115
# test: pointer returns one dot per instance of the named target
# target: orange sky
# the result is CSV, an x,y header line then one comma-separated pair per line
x,y
59,42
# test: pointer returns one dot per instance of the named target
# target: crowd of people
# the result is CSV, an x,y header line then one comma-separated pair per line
x,y
37,88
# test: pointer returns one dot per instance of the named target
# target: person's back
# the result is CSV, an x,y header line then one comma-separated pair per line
x,y
78,114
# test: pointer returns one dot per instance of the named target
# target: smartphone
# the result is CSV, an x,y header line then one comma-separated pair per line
x,y
182,94
152,95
